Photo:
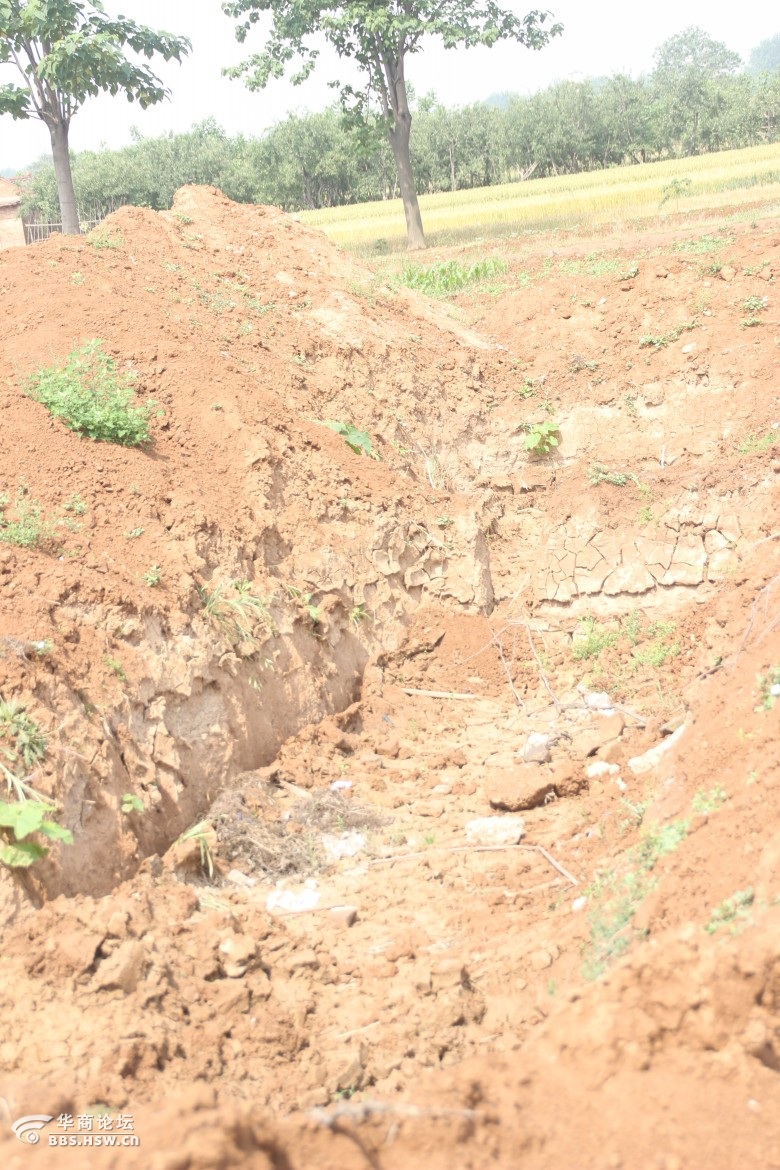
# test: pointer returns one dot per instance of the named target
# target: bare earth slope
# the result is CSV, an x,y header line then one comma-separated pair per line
x,y
336,972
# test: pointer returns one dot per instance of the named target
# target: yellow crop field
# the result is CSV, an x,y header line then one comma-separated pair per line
x,y
537,204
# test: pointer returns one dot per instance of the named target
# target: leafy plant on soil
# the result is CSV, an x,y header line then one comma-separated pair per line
x,y
708,802
590,638
204,835
649,340
27,527
541,437
22,744
131,803
769,688
357,441
755,304
598,473
153,576
442,280
731,910
92,397
17,822
756,444
236,610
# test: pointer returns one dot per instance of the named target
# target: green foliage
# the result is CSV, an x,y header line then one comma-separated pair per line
x,y
17,822
22,744
658,341
708,802
540,437
769,688
590,638
75,504
131,803
204,835
153,576
674,189
116,668
598,473
755,304
27,526
357,441
92,397
659,841
756,444
731,911
236,610
450,277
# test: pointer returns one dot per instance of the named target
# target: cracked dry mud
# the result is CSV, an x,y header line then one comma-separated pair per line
x,y
339,970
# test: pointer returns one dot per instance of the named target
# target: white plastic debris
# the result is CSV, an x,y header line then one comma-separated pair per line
x,y
241,879
292,901
495,830
343,845
579,904
340,785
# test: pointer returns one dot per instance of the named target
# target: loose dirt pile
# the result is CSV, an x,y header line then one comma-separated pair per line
x,y
485,774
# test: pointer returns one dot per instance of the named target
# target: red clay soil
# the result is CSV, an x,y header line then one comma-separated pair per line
x,y
334,970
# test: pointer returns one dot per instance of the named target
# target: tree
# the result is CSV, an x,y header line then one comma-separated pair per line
x,y
66,51
378,35
765,58
690,69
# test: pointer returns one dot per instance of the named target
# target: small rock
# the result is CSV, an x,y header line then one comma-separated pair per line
x,y
346,915
123,969
237,953
302,960
600,769
388,748
537,748
241,879
344,845
727,273
598,700
690,348
518,788
429,808
651,758
579,904
540,960
495,830
292,901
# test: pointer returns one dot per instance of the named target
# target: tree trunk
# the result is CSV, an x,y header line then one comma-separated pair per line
x,y
399,140
67,196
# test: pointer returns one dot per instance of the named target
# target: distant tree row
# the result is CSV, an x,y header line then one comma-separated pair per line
x,y
696,100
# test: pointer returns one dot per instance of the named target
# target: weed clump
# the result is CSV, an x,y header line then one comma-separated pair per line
x,y
92,397
441,280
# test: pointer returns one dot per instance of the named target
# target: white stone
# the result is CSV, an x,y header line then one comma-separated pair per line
x,y
495,830
343,845
598,700
537,748
292,901
579,904
651,758
601,768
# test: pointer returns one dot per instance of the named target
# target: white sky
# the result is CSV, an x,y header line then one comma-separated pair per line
x,y
600,37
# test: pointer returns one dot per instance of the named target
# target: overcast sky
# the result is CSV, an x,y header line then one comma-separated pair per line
x,y
600,37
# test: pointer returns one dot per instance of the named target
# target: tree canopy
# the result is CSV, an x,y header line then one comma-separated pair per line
x,y
377,35
65,51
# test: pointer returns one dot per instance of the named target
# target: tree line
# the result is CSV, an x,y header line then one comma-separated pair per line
x,y
375,143
319,160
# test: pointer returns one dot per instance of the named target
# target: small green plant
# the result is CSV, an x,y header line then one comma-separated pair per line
x,y
306,600
116,668
708,802
131,803
236,610
22,744
92,397
629,273
541,437
750,322
769,688
731,910
449,277
648,341
357,441
18,822
444,522
590,638
675,189
756,444
578,363
358,614
75,504
598,473
204,835
103,241
527,390
755,304
26,527
153,576
660,840
134,533
184,219
76,278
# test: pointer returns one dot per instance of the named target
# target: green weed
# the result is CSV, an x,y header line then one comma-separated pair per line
x,y
357,441
755,304
17,822
598,473
769,688
153,576
756,444
648,340
92,397
590,638
116,668
708,802
75,504
236,610
27,527
131,803
449,277
541,437
730,910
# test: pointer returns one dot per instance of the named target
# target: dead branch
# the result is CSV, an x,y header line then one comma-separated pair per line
x,y
440,694
477,849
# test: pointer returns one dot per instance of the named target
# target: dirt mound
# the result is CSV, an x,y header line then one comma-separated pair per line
x,y
479,751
